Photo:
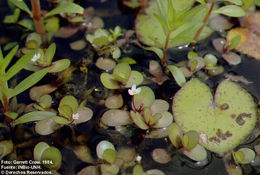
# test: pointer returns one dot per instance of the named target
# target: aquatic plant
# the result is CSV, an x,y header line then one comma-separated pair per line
x,y
122,77
43,58
6,93
166,24
49,156
51,23
104,41
232,104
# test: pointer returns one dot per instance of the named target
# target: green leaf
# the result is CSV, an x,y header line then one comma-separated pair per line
x,y
34,116
177,74
231,10
237,2
26,23
201,1
11,115
161,10
68,7
158,51
162,22
234,42
50,52
8,58
257,3
1,57
171,15
28,82
9,46
19,65
22,5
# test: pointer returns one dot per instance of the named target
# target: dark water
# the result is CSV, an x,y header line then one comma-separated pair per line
x,y
112,14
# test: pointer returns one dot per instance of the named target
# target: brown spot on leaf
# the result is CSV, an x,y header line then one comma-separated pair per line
x,y
233,116
224,106
215,139
240,119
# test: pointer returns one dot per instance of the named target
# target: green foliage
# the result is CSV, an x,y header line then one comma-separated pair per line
x,y
177,74
5,92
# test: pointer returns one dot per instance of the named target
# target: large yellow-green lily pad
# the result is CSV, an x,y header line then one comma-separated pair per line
x,y
223,122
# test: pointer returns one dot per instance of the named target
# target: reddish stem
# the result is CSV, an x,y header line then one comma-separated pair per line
x,y
165,50
143,3
6,109
205,21
37,18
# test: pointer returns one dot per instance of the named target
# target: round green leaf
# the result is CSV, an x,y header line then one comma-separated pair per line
x,y
135,78
122,72
52,155
108,81
145,98
221,123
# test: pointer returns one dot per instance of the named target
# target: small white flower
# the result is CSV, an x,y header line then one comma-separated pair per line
x,y
36,57
75,116
138,158
133,90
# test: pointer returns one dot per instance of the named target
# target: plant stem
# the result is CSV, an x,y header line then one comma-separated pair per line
x,y
37,18
143,3
165,49
205,21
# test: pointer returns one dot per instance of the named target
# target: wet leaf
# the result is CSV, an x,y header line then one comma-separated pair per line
x,y
175,135
138,120
127,60
248,43
161,156
145,98
105,64
67,7
195,109
38,91
85,114
22,5
33,116
138,170
114,101
109,155
177,74
244,155
102,146
78,45
38,150
6,147
49,53
28,82
198,153
231,10
164,120
54,155
108,81
210,60
135,78
232,58
60,65
46,126
109,169
122,72
70,101
190,140
45,101
116,117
